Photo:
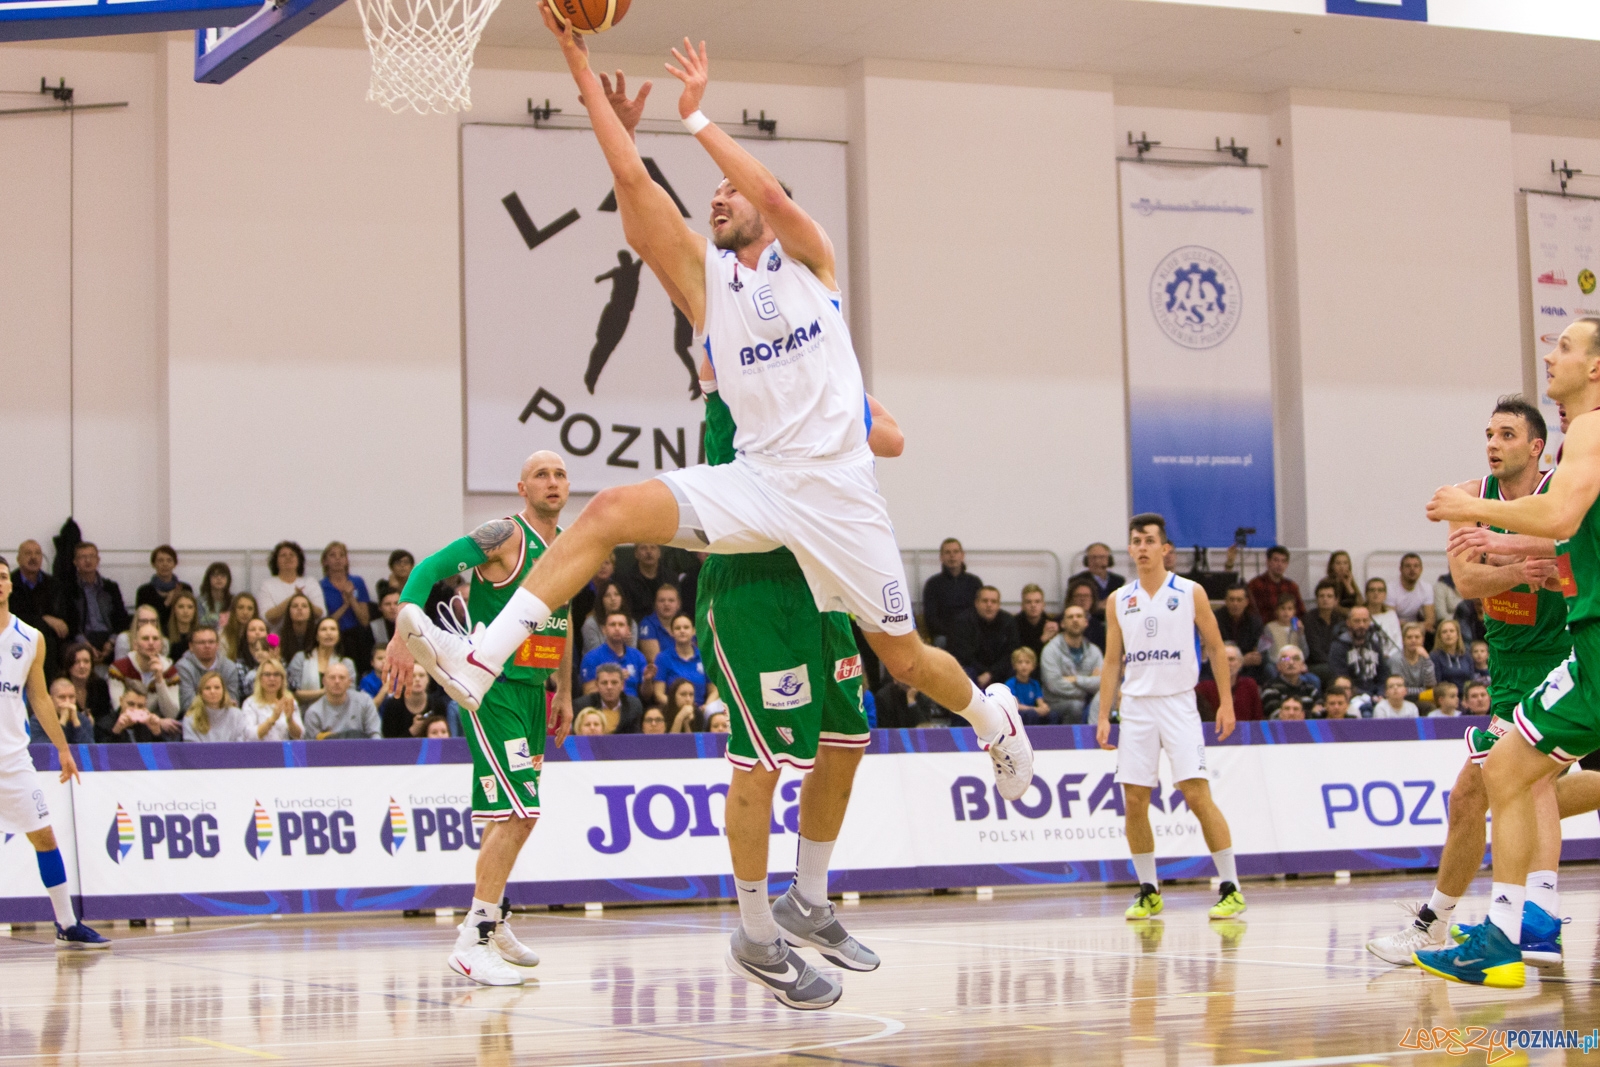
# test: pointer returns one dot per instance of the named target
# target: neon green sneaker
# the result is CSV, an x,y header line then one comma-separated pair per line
x,y
1147,904
1231,904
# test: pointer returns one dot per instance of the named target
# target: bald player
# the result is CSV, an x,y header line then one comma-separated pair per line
x,y
507,730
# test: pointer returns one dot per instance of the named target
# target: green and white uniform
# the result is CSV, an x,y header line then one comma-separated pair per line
x,y
790,674
1561,716
1526,630
506,734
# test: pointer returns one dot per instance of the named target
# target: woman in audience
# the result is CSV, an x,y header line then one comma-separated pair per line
x,y
1080,594
142,614
258,647
241,611
609,600
1452,660
1415,665
401,563
583,602
213,716
288,566
404,715
1343,576
717,722
146,670
181,623
654,722
682,660
682,708
297,633
347,600
164,584
590,724
91,692
306,669
436,727
270,707
216,596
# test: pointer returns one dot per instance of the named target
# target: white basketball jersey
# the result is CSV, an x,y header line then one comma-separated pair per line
x,y
19,644
1160,645
783,358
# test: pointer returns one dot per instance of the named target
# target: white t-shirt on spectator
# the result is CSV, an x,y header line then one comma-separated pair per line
x,y
1389,622
1382,709
1408,604
257,713
275,591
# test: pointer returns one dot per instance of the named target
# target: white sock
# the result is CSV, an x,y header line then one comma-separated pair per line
x,y
985,715
61,901
1223,858
523,614
755,912
482,911
1442,905
811,870
1542,891
1144,865
1505,909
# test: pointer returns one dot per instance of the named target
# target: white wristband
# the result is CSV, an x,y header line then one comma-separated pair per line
x,y
696,122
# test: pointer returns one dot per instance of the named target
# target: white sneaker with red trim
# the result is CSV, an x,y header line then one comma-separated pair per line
x,y
1010,749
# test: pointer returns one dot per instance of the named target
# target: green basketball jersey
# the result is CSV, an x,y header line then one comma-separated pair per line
x,y
1524,620
1582,551
541,652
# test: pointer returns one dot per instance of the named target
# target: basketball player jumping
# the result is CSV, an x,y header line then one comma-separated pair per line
x,y
1155,627
22,806
764,297
1526,629
506,730
1558,721
756,616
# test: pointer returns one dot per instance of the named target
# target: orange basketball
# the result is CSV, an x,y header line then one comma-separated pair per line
x,y
589,16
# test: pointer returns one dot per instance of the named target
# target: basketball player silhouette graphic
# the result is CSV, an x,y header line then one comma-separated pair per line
x,y
614,319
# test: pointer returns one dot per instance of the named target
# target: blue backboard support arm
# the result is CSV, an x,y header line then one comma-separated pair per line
x,y
251,40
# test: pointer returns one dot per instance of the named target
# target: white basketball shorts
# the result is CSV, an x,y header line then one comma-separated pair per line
x,y
1150,724
829,513
22,805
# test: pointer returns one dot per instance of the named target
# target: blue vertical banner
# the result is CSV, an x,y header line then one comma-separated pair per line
x,y
1199,364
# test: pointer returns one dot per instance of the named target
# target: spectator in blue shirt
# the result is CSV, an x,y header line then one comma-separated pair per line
x,y
655,631
681,659
630,661
372,681
345,595
1025,687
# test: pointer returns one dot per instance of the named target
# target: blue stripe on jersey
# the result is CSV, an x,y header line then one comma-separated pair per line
x,y
708,354
835,301
866,407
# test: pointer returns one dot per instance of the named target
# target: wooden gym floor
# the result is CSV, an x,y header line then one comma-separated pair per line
x,y
1024,978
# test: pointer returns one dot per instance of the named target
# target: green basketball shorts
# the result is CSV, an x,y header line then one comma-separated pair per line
x,y
1511,678
506,735
790,675
1561,718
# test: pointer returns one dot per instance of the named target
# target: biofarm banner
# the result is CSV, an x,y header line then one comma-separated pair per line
x,y
571,343
1199,363
1562,244
350,826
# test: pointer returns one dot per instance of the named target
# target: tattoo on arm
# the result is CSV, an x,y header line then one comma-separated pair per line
x,y
494,533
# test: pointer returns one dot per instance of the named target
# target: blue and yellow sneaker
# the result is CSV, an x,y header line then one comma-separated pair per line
x,y
1146,905
1541,935
1487,957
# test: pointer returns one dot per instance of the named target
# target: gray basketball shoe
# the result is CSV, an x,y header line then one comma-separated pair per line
x,y
814,925
792,980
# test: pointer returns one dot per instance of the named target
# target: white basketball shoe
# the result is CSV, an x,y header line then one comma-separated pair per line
x,y
1424,932
447,656
1010,749
505,942
477,956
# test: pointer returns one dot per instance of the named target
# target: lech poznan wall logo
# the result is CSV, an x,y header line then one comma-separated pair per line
x,y
1194,295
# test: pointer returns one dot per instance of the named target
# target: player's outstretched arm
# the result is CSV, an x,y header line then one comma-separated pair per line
x,y
1557,512
650,220
1211,641
1110,680
886,440
801,237
44,709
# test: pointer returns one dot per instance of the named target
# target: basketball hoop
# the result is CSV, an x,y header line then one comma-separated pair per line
x,y
422,51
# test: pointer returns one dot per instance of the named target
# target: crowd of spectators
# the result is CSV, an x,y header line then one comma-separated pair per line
x,y
302,657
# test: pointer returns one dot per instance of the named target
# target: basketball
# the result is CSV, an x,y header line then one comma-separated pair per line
x,y
589,16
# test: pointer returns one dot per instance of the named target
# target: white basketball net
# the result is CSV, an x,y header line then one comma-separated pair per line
x,y
422,51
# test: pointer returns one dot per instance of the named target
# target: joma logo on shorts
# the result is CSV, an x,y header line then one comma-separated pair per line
x,y
764,351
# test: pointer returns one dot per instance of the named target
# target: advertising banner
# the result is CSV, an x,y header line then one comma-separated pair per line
x,y
1199,360
571,343
349,826
1562,261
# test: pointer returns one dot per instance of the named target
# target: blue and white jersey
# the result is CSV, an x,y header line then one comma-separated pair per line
x,y
19,644
784,361
1160,645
